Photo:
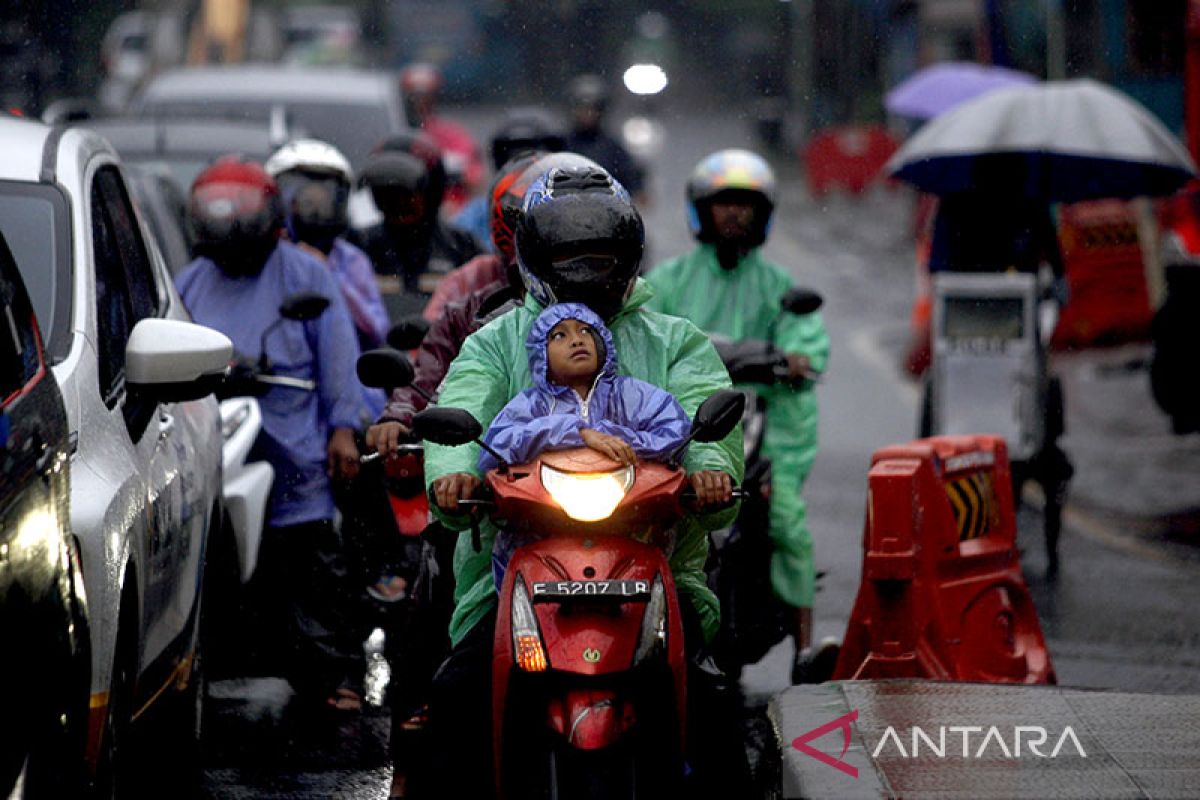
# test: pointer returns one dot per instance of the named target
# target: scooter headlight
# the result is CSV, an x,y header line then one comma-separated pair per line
x,y
654,623
527,639
587,496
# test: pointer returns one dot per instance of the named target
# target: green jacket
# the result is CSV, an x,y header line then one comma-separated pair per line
x,y
742,303
493,367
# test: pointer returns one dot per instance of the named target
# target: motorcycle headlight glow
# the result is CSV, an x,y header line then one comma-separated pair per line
x,y
587,496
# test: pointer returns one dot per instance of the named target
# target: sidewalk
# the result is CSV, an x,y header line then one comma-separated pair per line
x,y
1136,484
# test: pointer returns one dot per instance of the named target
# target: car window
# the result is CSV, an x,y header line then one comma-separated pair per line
x,y
19,361
323,120
34,222
139,271
114,309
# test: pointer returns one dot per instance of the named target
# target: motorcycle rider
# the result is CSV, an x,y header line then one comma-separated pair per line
x,y
314,180
579,240
421,85
411,248
523,131
726,287
588,98
242,273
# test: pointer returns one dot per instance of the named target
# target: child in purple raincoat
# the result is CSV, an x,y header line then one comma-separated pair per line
x,y
578,400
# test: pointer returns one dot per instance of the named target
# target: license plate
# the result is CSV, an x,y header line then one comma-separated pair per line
x,y
623,590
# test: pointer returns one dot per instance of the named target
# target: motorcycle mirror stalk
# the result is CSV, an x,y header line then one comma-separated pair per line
x,y
301,307
715,418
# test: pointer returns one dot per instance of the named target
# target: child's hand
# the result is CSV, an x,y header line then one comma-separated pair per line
x,y
609,446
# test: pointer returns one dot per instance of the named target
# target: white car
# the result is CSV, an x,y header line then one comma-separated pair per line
x,y
145,435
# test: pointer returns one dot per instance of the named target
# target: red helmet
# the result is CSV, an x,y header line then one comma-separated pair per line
x,y
236,213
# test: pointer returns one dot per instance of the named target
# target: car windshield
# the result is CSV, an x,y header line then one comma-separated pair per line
x,y
33,220
352,128
183,169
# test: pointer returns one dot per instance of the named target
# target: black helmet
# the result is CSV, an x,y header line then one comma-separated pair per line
x,y
399,183
418,143
580,240
526,129
236,214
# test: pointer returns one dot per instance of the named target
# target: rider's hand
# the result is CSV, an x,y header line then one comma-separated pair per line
x,y
799,367
449,489
343,454
712,487
384,437
609,446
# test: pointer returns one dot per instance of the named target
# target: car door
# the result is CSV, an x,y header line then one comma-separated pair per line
x,y
126,293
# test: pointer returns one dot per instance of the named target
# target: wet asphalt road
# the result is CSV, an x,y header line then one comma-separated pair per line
x,y
1118,616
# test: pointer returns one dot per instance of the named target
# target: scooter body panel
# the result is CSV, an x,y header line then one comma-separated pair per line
x,y
591,685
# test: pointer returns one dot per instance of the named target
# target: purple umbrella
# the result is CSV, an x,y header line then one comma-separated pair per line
x,y
932,91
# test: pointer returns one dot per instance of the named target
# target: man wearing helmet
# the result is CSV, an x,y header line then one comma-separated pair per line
x,y
579,240
588,97
314,181
242,274
411,248
725,286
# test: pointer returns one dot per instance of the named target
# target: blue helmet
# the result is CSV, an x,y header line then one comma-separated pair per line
x,y
580,239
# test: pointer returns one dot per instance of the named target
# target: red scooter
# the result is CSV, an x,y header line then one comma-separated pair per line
x,y
589,674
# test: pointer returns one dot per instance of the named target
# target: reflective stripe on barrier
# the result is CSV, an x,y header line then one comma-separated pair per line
x,y
942,595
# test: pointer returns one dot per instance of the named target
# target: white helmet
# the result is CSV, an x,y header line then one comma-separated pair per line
x,y
310,155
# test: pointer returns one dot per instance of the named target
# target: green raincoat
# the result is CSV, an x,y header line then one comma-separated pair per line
x,y
742,303
493,367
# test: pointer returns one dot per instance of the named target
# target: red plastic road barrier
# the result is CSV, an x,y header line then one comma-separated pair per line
x,y
1110,302
942,595
849,158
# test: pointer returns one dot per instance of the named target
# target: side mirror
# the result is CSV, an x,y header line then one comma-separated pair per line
x,y
303,307
176,361
447,426
801,301
408,333
715,418
718,415
384,368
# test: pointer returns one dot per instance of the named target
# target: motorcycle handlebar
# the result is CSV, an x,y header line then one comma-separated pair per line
x,y
367,458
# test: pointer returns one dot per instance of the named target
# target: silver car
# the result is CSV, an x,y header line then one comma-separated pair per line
x,y
144,436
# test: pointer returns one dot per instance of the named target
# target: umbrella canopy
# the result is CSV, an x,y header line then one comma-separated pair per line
x,y
1063,141
934,90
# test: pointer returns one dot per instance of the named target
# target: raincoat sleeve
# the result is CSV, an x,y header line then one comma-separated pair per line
x,y
650,420
341,396
524,429
695,374
478,382
361,292
805,335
